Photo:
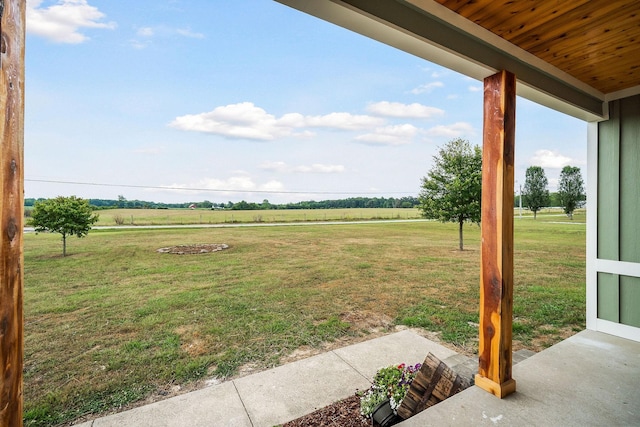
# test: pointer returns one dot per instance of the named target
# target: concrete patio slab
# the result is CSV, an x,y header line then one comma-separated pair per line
x,y
218,405
402,347
283,393
590,379
295,389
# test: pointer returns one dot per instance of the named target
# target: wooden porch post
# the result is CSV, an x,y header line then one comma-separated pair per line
x,y
12,30
496,271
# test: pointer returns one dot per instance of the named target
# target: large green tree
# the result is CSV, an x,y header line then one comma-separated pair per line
x,y
571,189
65,215
536,194
452,190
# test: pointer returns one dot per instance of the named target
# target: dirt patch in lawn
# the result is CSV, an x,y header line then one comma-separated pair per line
x,y
196,249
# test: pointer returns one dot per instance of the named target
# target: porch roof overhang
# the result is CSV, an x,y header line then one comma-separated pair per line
x,y
570,56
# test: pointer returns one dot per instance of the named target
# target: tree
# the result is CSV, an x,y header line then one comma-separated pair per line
x,y
536,194
65,215
571,189
452,190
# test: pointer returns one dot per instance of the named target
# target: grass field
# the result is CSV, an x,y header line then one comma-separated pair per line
x,y
115,321
111,217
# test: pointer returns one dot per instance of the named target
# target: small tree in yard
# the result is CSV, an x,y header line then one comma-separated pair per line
x,y
65,215
452,190
571,189
536,193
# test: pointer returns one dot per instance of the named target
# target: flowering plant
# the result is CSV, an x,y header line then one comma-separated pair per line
x,y
391,382
370,399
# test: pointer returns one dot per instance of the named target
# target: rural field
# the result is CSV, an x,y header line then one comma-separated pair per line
x,y
117,323
129,217
111,217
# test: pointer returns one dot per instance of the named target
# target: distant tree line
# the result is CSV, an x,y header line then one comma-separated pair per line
x,y
536,196
352,202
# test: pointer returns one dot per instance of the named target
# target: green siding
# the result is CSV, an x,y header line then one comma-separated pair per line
x,y
618,229
608,297
609,184
630,179
630,301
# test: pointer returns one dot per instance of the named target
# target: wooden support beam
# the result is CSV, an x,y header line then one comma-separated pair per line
x,y
12,33
496,271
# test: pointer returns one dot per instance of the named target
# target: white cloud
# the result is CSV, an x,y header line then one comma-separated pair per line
x,y
550,159
475,88
390,135
243,120
319,168
397,109
314,168
186,32
275,166
246,121
62,22
426,88
145,32
137,44
162,31
272,185
231,185
454,130
344,121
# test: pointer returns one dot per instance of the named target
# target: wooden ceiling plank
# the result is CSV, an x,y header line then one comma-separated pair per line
x,y
613,85
593,50
610,64
592,41
466,7
615,26
497,7
526,16
511,14
616,86
609,60
556,29
612,81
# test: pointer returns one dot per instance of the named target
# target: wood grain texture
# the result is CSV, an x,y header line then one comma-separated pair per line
x,y
12,29
434,383
595,41
496,271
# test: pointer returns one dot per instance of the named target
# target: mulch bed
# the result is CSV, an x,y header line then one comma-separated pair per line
x,y
344,413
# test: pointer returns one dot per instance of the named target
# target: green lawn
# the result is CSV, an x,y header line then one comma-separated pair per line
x,y
115,321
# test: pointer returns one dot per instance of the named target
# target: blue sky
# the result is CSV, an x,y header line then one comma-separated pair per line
x,y
176,101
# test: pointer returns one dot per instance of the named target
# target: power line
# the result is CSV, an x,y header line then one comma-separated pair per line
x,y
151,187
